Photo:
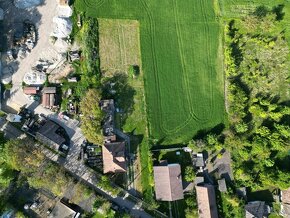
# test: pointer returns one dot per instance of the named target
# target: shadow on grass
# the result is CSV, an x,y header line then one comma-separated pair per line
x,y
118,88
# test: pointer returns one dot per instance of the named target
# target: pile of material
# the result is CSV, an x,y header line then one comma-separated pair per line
x,y
62,27
23,4
24,43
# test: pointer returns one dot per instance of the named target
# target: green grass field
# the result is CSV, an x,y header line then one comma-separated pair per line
x,y
181,49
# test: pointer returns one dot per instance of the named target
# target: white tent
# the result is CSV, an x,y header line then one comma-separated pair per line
x,y
34,78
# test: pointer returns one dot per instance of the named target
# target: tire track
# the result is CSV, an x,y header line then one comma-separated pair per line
x,y
155,65
185,72
89,3
209,58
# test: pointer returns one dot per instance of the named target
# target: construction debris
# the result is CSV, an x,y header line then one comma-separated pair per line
x,y
23,42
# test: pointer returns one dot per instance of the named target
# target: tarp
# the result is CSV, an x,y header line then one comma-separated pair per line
x,y
23,4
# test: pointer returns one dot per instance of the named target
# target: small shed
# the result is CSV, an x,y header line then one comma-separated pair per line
x,y
222,185
30,90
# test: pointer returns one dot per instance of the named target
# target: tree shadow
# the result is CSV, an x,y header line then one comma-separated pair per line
x,y
216,130
118,88
261,11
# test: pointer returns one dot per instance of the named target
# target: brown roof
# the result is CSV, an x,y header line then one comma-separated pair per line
x,y
286,196
206,201
48,100
30,90
114,157
168,182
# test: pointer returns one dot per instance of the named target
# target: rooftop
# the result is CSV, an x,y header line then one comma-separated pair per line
x,y
49,90
206,201
222,185
168,182
286,196
30,90
49,130
62,210
114,157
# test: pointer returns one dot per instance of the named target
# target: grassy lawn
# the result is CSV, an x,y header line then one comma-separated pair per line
x,y
180,48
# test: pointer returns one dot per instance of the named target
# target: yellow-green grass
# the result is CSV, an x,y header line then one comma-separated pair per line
x,y
180,60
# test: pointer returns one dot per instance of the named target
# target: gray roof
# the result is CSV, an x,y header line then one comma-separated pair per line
x,y
168,182
206,201
49,90
199,180
62,211
222,185
49,129
256,209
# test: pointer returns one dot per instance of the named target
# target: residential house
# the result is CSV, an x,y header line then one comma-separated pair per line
x,y
53,135
257,209
48,97
114,160
168,182
206,201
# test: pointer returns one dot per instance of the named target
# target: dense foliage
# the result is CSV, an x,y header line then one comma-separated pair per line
x,y
92,116
257,67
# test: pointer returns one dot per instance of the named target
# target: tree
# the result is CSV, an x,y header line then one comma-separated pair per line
x,y
189,174
92,117
22,155
241,127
